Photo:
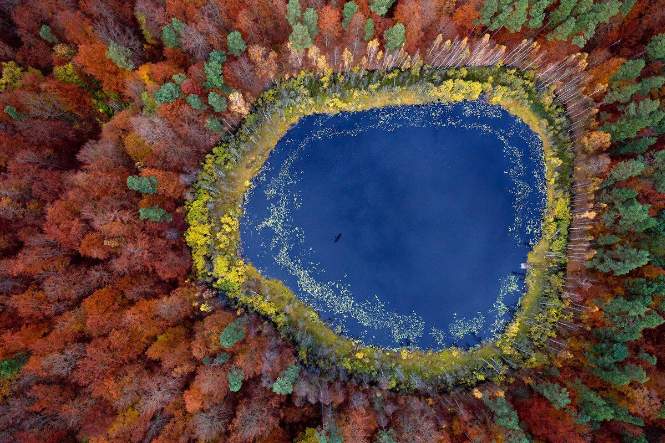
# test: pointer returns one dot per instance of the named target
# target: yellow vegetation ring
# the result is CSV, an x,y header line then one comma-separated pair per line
x,y
214,213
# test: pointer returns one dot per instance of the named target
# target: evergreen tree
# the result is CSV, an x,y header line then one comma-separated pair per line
x,y
350,9
311,20
629,70
293,12
121,56
232,333
394,37
656,47
235,378
155,214
300,38
368,30
144,185
556,394
235,43
284,383
380,7
46,34
167,93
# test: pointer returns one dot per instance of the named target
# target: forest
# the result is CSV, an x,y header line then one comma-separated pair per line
x,y
123,315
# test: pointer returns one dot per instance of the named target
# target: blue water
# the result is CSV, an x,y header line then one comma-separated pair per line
x,y
402,226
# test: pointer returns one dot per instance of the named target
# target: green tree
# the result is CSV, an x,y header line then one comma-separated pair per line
x,y
350,9
235,378
46,34
394,37
592,407
235,43
214,125
620,260
121,56
10,367
195,102
13,113
517,18
625,170
488,10
300,38
284,383
144,185
293,12
167,93
556,394
629,70
562,31
217,101
368,30
311,19
656,47
233,333
171,33
380,7
155,214
537,13
504,414
213,70
636,146
179,78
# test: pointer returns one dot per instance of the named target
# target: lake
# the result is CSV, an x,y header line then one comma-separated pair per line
x,y
402,226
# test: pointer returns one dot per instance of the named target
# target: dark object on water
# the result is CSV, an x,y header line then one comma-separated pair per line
x,y
337,237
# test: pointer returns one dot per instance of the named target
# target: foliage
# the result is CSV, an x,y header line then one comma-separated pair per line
x,y
144,185
656,47
395,37
120,55
381,7
155,214
46,33
235,378
233,333
235,43
284,383
350,8
167,93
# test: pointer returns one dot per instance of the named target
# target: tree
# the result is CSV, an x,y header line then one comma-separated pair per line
x,y
620,260
284,383
293,12
155,214
625,170
300,38
217,101
656,47
213,70
171,33
46,34
235,43
233,333
629,70
120,55
394,37
556,394
167,93
195,102
144,185
350,9
369,30
311,19
380,7
235,378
